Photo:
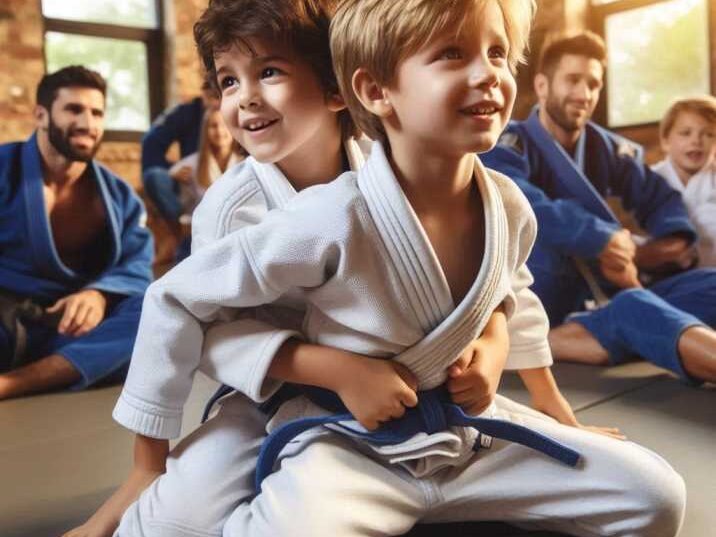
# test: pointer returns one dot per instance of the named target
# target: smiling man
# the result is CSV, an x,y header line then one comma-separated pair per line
x,y
75,256
589,271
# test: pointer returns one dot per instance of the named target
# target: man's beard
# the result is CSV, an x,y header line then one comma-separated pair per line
x,y
556,111
60,140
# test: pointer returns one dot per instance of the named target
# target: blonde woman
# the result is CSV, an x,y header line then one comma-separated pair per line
x,y
218,151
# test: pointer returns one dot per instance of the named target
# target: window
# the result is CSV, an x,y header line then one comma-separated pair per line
x,y
659,50
122,41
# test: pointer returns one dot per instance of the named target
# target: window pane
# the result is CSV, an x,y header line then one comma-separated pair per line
x,y
122,63
140,13
656,54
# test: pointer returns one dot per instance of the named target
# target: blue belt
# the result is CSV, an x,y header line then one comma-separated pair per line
x,y
435,412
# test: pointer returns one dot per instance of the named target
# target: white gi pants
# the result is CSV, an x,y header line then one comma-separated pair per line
x,y
208,474
331,486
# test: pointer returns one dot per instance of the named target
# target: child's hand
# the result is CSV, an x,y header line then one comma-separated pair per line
x,y
475,376
376,390
612,432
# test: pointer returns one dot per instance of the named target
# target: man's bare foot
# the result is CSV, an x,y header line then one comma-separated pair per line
x,y
571,342
697,349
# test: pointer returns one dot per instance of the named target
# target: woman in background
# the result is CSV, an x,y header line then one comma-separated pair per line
x,y
218,151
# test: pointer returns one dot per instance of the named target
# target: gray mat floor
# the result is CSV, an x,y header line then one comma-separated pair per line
x,y
61,455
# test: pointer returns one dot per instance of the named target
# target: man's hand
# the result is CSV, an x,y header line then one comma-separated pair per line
x,y
376,390
82,312
665,253
619,251
475,376
624,278
183,174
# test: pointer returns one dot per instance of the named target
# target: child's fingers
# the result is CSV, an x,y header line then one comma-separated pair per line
x,y
409,398
460,365
406,375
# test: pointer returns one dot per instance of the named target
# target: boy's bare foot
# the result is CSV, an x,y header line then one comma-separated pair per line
x,y
571,342
697,349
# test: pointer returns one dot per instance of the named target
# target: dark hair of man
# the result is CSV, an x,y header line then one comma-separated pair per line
x,y
557,45
301,25
73,76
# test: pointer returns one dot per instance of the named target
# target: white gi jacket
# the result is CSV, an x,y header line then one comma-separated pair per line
x,y
699,196
372,283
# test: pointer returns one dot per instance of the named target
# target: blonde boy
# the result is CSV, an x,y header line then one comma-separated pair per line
x,y
688,138
381,258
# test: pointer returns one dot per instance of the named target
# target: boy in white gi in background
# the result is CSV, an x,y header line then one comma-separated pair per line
x,y
299,89
382,274
688,137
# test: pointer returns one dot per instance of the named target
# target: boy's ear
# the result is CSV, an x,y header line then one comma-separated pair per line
x,y
335,103
541,85
371,94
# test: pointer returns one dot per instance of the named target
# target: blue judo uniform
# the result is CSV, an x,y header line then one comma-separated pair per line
x,y
30,266
567,193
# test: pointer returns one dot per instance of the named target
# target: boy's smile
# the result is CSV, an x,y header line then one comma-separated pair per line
x,y
273,104
457,92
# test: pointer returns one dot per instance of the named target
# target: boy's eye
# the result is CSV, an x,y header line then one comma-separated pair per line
x,y
451,53
497,52
227,82
269,72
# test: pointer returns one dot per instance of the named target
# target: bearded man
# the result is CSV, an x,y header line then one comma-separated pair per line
x,y
75,255
609,295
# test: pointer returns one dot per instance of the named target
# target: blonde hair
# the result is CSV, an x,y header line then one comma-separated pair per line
x,y
205,155
377,34
704,106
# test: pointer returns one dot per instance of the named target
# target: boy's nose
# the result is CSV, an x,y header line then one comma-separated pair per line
x,y
483,74
249,97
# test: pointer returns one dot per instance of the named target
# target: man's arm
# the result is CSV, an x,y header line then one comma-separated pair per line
x,y
563,224
170,127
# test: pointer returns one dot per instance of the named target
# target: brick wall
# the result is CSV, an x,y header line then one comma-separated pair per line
x,y
22,65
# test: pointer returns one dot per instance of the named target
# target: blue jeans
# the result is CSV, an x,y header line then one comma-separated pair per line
x,y
163,191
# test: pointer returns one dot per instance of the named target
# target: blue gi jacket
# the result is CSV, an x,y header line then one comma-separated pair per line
x,y
29,263
180,124
568,197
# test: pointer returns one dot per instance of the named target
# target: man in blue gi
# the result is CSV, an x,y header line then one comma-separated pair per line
x,y
589,271
75,256
180,124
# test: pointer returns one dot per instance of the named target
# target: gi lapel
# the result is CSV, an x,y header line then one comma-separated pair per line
x,y
569,181
448,328
47,259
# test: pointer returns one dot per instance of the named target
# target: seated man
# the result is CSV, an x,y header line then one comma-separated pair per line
x,y
75,256
181,124
567,166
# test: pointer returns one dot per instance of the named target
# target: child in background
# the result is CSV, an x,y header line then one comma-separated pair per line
x,y
688,138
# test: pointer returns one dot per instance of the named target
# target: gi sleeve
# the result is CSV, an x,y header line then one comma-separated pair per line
x,y
239,352
564,224
527,322
251,267
131,272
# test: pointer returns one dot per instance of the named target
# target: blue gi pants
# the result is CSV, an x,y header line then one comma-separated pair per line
x,y
649,322
104,351
163,191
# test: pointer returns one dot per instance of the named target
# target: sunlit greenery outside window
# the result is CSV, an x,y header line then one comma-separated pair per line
x,y
658,51
120,40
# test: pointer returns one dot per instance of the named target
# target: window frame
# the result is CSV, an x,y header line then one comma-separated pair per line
x,y
153,39
598,14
